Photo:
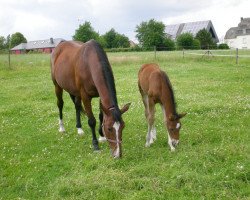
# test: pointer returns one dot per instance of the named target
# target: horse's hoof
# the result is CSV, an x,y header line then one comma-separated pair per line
x,y
102,139
61,130
80,131
97,151
96,148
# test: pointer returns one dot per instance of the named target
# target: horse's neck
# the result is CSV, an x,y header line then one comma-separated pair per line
x,y
168,104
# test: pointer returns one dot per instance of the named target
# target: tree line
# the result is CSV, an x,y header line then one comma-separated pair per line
x,y
149,34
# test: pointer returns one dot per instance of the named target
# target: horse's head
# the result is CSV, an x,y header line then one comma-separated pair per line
x,y
112,129
174,126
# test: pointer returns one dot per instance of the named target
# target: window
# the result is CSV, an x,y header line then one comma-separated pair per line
x,y
239,32
248,31
244,40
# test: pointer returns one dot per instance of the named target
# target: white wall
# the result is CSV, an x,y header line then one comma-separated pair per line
x,y
240,42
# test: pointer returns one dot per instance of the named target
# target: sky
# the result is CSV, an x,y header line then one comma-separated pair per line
x,y
43,19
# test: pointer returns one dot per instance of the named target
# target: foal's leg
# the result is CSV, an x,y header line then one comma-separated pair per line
x,y
78,107
59,92
91,121
150,117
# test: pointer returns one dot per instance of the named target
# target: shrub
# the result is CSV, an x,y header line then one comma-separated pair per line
x,y
223,46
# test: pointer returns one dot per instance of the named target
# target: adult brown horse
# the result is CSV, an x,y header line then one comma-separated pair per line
x,y
155,87
83,70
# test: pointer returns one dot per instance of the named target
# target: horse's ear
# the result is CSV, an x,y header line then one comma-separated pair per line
x,y
181,115
125,108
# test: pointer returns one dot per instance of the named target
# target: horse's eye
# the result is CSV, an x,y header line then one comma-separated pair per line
x,y
171,129
109,129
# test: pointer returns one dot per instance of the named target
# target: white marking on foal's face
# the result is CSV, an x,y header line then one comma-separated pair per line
x,y
116,126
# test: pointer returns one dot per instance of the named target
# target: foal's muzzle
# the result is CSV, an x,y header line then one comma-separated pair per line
x,y
175,142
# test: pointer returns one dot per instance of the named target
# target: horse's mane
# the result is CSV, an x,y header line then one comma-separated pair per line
x,y
169,85
109,77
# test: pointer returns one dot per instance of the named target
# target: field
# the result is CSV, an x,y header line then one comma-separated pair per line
x,y
211,162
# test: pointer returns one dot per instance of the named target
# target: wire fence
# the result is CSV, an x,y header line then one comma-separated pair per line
x,y
233,53
7,60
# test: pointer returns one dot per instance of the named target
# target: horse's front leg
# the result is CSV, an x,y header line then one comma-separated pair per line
x,y
101,138
91,122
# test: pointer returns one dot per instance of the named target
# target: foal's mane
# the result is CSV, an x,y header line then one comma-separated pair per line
x,y
109,78
169,85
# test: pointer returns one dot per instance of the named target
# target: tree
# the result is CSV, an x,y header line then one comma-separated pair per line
x,y
151,33
85,32
196,44
109,37
16,39
115,40
205,39
2,43
185,41
122,41
169,44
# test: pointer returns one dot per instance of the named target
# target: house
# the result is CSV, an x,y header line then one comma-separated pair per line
x,y
45,46
174,30
239,37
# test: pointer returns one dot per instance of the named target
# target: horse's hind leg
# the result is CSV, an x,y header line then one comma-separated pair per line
x,y
151,135
59,92
78,107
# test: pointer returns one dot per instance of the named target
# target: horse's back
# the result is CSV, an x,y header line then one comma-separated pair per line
x,y
150,79
63,62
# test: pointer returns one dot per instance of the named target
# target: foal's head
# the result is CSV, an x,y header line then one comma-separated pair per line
x,y
112,129
174,126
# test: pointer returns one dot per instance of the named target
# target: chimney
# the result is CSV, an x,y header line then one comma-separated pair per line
x,y
241,19
51,41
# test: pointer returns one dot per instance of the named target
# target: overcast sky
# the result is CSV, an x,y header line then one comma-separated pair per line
x,y
42,19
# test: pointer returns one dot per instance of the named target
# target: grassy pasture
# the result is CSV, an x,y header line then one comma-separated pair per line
x,y
212,161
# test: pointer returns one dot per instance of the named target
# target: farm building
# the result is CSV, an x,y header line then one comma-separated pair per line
x,y
175,30
239,37
45,46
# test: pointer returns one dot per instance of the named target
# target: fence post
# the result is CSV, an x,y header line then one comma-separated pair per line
x,y
237,56
155,51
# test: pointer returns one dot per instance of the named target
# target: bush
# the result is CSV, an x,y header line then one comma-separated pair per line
x,y
223,46
185,41
196,44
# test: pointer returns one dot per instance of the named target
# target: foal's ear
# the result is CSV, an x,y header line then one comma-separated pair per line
x,y
181,115
125,108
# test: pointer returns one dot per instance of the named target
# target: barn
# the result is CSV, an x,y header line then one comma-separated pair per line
x,y
174,30
43,46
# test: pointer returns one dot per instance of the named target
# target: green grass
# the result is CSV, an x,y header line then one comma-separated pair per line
x,y
212,161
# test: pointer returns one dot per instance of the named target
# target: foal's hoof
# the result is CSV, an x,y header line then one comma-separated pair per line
x,y
147,144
